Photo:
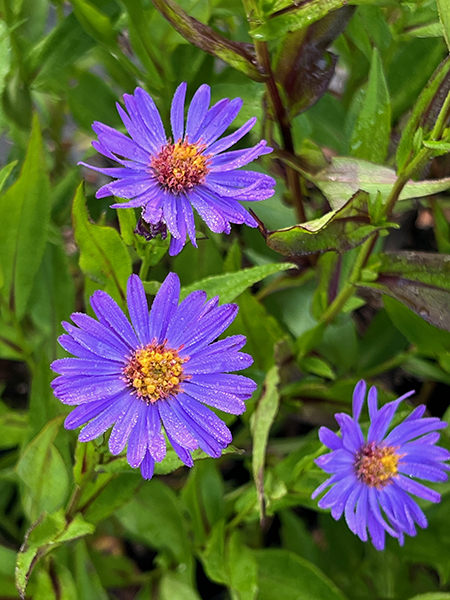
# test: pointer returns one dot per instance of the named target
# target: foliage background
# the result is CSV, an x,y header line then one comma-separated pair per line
x,y
322,305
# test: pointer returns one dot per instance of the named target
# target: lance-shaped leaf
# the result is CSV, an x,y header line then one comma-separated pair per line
x,y
239,55
345,176
338,230
419,280
425,111
444,16
262,422
47,533
371,134
104,258
304,68
24,215
294,16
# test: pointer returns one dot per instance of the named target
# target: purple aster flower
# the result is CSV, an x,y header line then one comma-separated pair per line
x,y
168,177
373,478
160,370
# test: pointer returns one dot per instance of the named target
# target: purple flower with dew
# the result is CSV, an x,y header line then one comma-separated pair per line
x,y
168,177
158,371
373,478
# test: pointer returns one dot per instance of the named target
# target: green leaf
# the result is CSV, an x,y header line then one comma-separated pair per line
x,y
104,257
49,60
43,471
432,596
339,230
423,112
87,581
203,496
277,25
101,500
283,574
262,421
242,569
25,215
7,567
13,427
345,176
229,286
94,22
429,340
371,134
239,55
213,556
317,366
418,279
53,295
42,537
444,16
155,516
84,111
5,172
172,588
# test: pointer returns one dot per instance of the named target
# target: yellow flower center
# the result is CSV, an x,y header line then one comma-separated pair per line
x,y
180,166
155,372
377,465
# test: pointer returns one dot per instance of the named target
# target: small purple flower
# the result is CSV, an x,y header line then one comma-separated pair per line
x,y
168,177
159,370
372,478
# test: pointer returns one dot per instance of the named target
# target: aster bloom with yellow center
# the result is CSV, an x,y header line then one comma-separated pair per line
x,y
159,371
373,478
168,177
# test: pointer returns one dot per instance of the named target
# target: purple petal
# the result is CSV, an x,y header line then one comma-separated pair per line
x,y
358,398
80,390
175,427
197,110
336,497
427,472
227,402
417,489
150,115
138,309
124,424
163,307
381,422
207,210
238,158
156,441
352,437
361,514
183,454
330,439
184,317
109,313
230,140
137,442
241,386
104,420
147,466
170,210
100,331
177,112
85,412
220,122
84,366
206,419
120,144
350,505
409,430
97,346
209,328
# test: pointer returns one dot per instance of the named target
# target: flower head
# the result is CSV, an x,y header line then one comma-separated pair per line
x,y
159,370
168,177
373,478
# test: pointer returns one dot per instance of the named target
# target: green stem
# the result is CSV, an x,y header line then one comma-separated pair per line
x,y
145,265
349,288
